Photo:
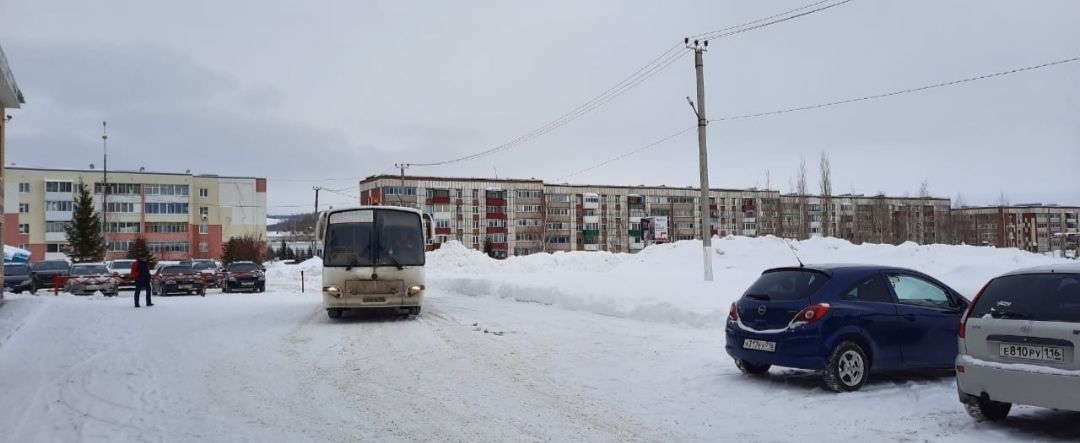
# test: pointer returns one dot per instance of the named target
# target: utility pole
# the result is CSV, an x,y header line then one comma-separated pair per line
x,y
314,235
403,167
105,188
703,154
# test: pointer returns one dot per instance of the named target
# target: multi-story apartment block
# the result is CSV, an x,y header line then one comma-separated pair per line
x,y
519,217
859,219
1035,227
180,215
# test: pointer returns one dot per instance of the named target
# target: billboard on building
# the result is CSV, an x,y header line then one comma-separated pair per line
x,y
654,229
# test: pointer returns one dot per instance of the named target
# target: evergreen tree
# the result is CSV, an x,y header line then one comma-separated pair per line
x,y
270,253
84,231
488,248
283,251
246,248
310,253
139,249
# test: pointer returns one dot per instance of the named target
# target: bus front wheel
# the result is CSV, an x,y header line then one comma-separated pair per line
x,y
334,312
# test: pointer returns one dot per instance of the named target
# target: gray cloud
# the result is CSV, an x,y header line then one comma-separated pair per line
x,y
344,89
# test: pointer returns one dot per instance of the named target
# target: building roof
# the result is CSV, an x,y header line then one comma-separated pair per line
x,y
10,95
538,181
121,171
1018,207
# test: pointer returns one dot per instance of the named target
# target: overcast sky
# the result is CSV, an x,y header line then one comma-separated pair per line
x,y
302,92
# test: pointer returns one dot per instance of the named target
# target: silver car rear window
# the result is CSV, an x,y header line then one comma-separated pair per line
x,y
1038,297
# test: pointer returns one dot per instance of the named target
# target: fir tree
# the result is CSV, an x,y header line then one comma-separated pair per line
x,y
283,251
84,231
139,249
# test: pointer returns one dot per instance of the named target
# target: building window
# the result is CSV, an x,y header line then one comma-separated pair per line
x,y
398,190
60,206
203,192
558,198
24,229
204,212
496,223
118,188
180,190
203,247
166,208
167,246
558,211
204,229
24,208
24,188
121,208
442,223
122,245
528,193
559,239
528,208
166,227
124,227
57,186
56,247
55,226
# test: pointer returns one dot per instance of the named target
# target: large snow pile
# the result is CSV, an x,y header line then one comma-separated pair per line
x,y
663,283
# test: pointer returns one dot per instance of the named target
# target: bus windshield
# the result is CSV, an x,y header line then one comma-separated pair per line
x,y
374,238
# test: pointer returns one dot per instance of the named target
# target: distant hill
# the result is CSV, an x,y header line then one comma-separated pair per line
x,y
290,223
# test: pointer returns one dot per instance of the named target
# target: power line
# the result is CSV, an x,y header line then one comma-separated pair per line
x,y
895,93
627,154
767,21
655,66
828,104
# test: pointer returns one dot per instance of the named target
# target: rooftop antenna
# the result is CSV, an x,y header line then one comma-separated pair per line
x,y
792,248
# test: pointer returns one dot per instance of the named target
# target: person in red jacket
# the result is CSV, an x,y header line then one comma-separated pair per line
x,y
140,270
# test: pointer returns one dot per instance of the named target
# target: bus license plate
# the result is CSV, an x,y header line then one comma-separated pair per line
x,y
759,345
1028,352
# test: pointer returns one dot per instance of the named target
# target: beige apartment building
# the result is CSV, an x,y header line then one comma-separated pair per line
x,y
10,98
520,217
181,215
1034,227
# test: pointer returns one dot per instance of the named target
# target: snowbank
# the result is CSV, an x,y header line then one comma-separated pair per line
x,y
663,283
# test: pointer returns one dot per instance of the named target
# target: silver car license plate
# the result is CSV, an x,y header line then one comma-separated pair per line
x,y
1029,352
185,286
247,283
759,345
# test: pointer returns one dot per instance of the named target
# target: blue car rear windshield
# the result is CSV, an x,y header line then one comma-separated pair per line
x,y
1038,297
786,285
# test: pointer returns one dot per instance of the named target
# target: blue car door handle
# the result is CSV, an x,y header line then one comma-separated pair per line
x,y
909,317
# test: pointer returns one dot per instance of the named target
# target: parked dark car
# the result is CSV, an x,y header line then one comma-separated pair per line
x,y
18,277
243,276
209,270
45,272
177,279
845,320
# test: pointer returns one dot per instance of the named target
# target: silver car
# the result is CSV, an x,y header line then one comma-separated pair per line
x,y
1019,342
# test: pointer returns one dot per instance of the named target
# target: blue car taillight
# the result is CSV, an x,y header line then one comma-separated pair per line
x,y
810,314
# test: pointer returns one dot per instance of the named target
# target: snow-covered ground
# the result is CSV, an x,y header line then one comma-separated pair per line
x,y
561,347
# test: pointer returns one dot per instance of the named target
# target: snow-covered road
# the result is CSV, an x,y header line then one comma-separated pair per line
x,y
272,367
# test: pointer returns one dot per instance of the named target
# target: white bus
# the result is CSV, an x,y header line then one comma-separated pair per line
x,y
373,257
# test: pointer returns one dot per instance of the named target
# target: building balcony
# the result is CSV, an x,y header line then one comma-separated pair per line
x,y
440,200
495,202
496,229
637,246
749,208
442,231
592,247
591,233
636,233
498,246
496,215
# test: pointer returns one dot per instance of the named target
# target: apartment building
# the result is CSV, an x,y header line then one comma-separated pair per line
x,y
859,218
181,215
520,217
1034,227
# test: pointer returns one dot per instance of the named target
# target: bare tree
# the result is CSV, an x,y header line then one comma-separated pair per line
x,y
959,201
826,195
1003,200
924,189
804,222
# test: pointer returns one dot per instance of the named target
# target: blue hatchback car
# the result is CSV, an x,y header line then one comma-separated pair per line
x,y
845,320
